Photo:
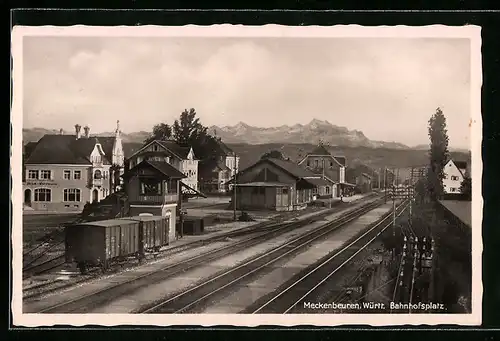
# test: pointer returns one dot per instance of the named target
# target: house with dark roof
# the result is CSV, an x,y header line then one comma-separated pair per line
x,y
153,187
454,173
180,157
216,171
364,182
63,172
275,184
331,168
214,175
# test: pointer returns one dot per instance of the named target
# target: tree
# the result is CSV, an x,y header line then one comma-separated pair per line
x,y
188,131
275,154
466,188
161,131
438,153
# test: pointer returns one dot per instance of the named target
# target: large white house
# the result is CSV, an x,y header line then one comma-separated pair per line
x,y
454,174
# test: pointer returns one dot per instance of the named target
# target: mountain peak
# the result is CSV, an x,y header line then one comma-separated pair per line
x,y
315,121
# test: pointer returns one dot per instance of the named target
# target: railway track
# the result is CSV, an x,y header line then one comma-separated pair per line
x,y
308,285
253,229
45,266
97,298
196,296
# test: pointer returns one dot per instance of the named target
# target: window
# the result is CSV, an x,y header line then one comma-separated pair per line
x,y
45,174
315,190
327,189
308,163
32,174
67,175
77,175
452,189
454,177
150,187
72,194
155,148
316,163
97,174
43,194
96,159
331,163
285,191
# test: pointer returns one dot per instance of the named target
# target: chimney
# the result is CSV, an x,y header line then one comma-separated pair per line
x,y
78,131
61,131
87,131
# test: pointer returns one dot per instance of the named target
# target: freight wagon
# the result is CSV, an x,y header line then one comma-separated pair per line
x,y
154,231
100,243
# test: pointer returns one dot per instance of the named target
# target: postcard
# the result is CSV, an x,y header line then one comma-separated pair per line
x,y
234,175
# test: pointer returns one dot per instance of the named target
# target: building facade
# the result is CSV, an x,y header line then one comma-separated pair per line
x,y
332,169
274,184
217,171
454,174
214,176
364,183
180,157
64,172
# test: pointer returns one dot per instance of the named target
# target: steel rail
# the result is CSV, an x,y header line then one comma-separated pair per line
x,y
168,271
326,262
253,265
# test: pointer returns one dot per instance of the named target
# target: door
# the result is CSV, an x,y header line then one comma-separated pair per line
x,y
27,196
95,195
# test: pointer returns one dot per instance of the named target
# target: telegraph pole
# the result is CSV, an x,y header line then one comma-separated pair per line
x,y
234,188
394,219
385,185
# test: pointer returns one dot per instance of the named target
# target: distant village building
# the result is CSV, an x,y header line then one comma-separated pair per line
x,y
217,171
454,173
274,184
330,168
63,172
364,182
214,176
180,157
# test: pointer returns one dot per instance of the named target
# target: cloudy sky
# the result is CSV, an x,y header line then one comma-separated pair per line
x,y
387,88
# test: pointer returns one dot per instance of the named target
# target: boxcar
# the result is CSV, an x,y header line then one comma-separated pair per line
x,y
153,230
100,242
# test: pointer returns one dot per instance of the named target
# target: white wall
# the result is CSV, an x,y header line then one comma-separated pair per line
x,y
453,179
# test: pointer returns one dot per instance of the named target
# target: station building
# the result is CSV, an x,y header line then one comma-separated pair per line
x,y
275,184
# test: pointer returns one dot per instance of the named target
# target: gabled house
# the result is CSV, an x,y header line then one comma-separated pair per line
x,y
364,182
275,184
331,168
180,157
454,173
214,175
63,172
217,170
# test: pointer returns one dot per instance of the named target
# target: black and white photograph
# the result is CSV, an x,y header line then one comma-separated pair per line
x,y
246,175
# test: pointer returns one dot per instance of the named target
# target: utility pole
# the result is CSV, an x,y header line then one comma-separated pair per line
x,y
413,274
394,220
385,185
234,188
